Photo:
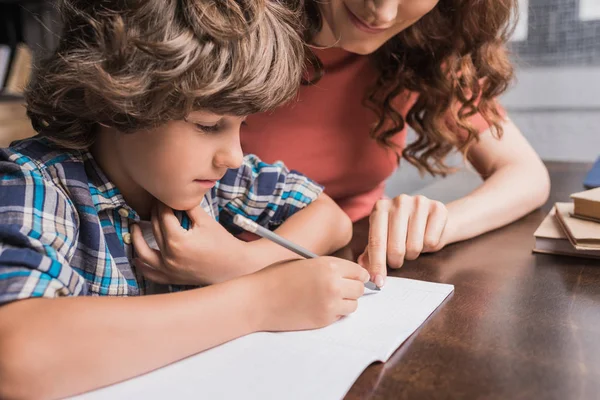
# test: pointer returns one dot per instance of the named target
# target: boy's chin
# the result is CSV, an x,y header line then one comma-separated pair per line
x,y
184,205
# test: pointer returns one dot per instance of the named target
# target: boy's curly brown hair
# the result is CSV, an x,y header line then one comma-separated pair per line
x,y
455,59
136,64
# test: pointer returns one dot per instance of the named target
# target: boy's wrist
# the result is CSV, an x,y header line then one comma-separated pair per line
x,y
262,253
254,256
256,291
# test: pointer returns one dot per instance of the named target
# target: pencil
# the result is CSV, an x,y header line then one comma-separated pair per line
x,y
253,227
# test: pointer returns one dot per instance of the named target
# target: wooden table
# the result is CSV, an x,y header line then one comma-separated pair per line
x,y
518,326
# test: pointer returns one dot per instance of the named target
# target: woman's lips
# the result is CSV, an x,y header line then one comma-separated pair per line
x,y
362,25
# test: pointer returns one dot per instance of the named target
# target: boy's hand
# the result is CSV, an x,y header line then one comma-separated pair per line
x,y
204,254
308,294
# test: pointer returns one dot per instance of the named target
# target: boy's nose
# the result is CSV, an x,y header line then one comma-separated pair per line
x,y
230,157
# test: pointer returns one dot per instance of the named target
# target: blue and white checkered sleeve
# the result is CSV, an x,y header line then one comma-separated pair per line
x,y
266,193
37,232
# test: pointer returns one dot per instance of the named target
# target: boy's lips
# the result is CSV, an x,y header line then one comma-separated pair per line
x,y
209,183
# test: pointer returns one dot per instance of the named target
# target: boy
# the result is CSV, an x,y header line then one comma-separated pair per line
x,y
139,112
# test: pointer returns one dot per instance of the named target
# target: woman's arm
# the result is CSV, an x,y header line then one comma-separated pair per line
x,y
58,347
515,182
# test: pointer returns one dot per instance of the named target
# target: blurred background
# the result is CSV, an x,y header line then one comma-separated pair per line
x,y
555,99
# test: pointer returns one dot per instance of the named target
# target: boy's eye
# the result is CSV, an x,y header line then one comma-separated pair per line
x,y
208,128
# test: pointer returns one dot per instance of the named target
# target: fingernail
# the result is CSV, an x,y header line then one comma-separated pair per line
x,y
367,278
379,280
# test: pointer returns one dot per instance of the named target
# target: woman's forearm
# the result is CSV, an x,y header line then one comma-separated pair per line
x,y
58,347
510,193
516,182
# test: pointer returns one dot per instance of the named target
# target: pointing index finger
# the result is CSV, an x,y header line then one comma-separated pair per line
x,y
378,234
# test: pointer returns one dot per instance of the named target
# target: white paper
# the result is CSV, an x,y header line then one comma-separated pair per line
x,y
321,364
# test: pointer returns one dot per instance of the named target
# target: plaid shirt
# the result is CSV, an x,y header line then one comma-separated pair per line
x,y
64,227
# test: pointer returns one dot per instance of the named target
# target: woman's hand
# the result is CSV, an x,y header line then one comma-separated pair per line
x,y
204,254
401,229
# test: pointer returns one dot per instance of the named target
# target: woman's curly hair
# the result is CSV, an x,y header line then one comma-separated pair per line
x,y
455,59
136,64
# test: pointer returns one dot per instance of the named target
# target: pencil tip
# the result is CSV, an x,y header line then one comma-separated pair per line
x,y
372,286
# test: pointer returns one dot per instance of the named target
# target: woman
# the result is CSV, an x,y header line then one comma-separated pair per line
x,y
378,66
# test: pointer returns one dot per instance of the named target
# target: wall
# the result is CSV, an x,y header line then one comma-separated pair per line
x,y
555,99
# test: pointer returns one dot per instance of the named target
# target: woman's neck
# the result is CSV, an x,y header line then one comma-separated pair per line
x,y
325,37
107,157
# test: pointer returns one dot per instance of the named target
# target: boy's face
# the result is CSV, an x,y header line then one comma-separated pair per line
x,y
180,161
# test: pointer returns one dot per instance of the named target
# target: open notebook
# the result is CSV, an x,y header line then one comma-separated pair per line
x,y
318,364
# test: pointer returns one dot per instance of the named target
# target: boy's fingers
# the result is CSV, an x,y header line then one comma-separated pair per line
x,y
347,307
198,215
156,228
352,289
350,270
169,224
150,273
144,252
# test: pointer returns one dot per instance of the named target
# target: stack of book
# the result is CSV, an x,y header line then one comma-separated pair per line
x,y
572,228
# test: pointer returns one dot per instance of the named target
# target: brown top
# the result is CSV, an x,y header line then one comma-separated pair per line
x,y
325,133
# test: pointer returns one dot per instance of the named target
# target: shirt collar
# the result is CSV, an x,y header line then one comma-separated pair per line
x,y
105,195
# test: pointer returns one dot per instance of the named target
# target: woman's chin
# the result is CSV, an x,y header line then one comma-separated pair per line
x,y
360,46
360,49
